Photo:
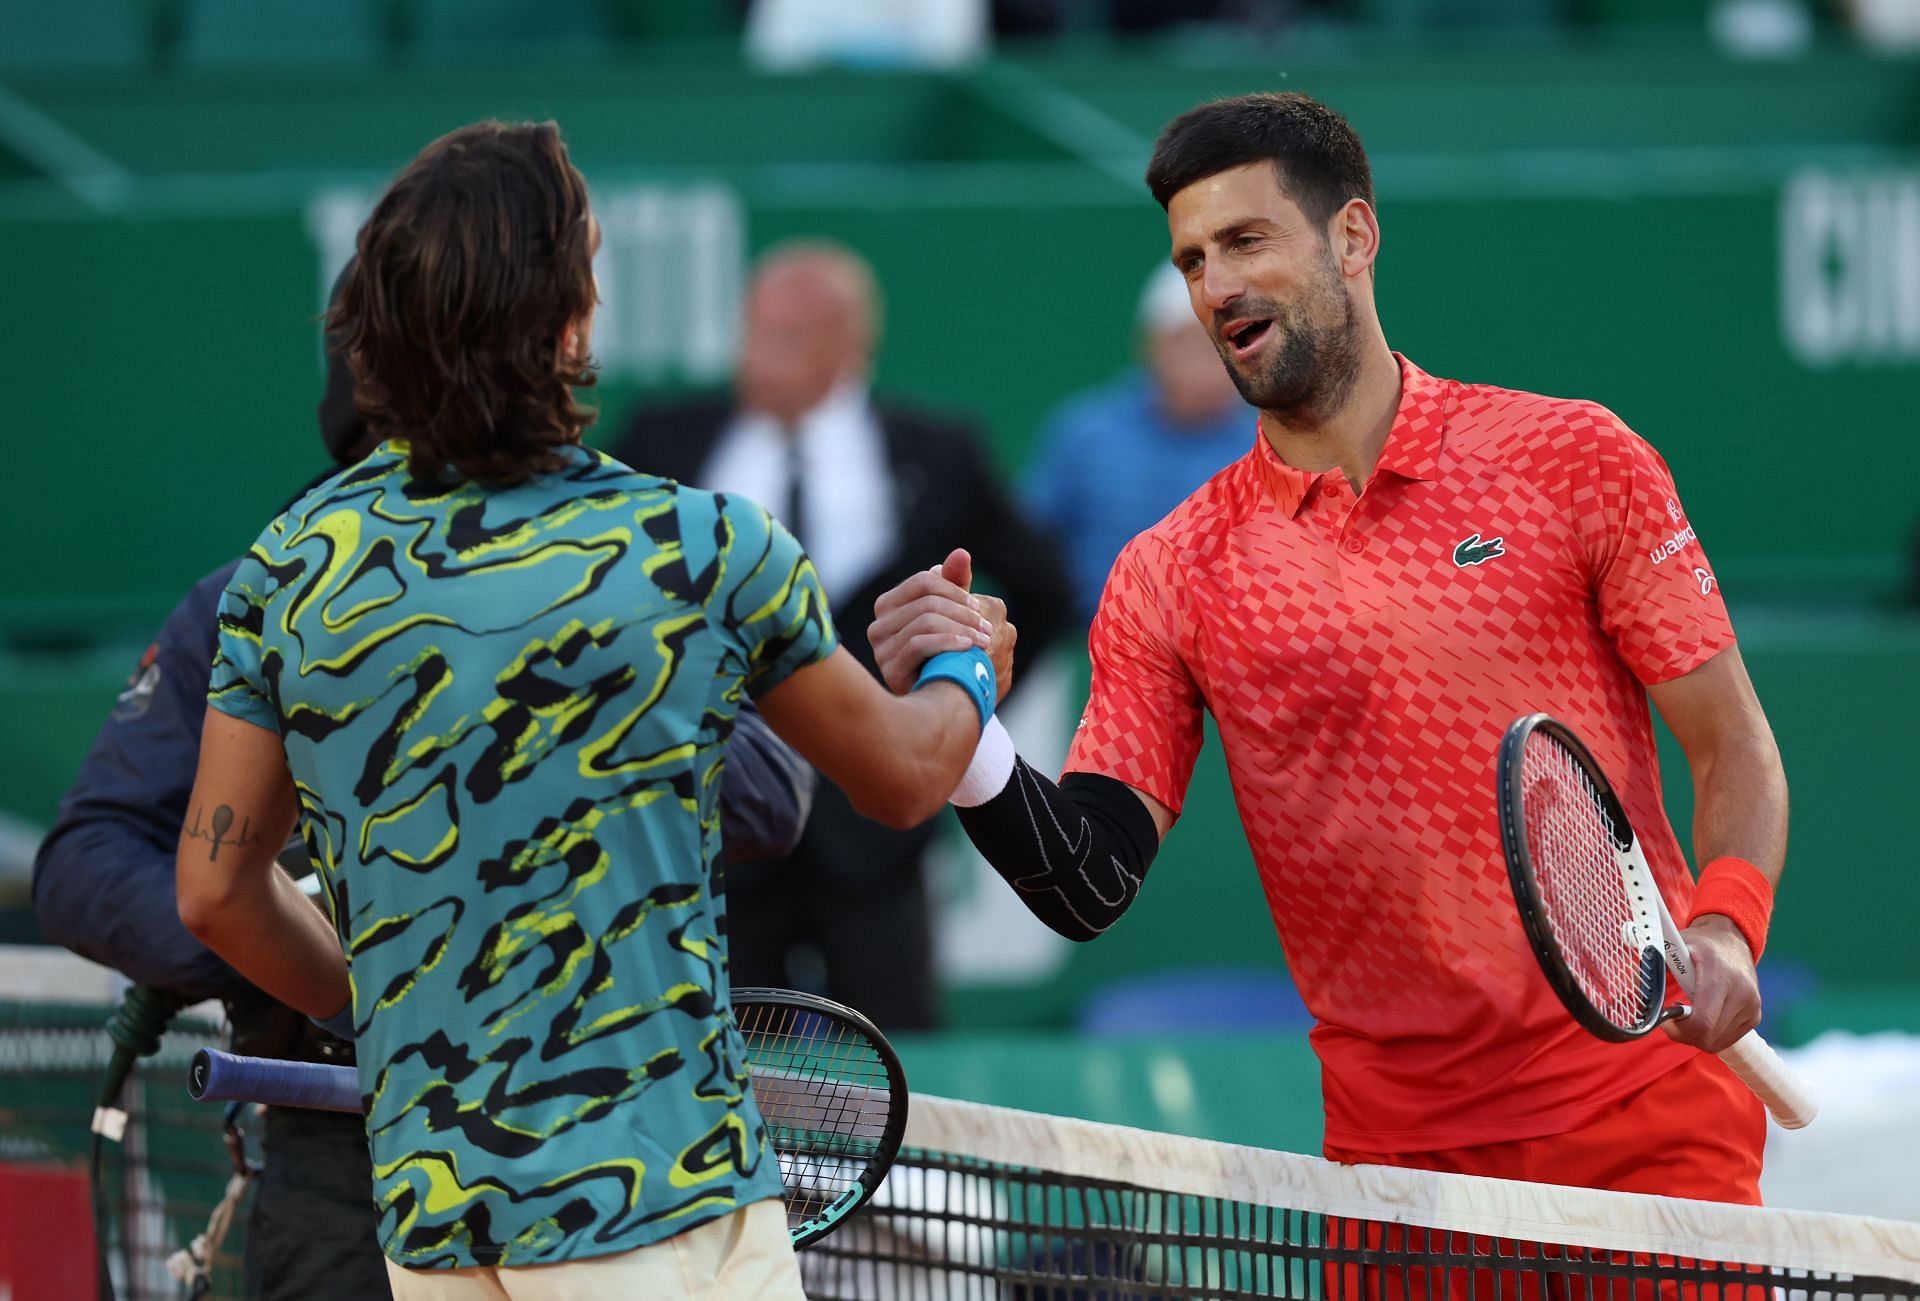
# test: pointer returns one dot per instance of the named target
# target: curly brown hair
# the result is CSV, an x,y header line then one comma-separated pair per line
x,y
469,273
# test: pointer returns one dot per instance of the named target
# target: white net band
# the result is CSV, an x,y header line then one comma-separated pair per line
x,y
1782,1239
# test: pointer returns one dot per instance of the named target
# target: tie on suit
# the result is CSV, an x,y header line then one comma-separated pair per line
x,y
795,515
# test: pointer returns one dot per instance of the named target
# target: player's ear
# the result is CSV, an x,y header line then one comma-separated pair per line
x,y
1353,234
574,342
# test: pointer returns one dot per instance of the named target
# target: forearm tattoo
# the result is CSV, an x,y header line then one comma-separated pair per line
x,y
218,830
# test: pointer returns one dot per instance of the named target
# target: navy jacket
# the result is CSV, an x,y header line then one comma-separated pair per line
x,y
103,877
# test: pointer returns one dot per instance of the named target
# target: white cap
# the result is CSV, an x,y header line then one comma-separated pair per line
x,y
1164,304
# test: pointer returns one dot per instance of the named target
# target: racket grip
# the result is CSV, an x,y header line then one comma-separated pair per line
x,y
225,1077
1772,1080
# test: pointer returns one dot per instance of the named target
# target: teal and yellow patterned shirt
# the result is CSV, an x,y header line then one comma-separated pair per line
x,y
504,711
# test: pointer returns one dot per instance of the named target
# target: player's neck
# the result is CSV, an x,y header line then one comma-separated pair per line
x,y
1351,435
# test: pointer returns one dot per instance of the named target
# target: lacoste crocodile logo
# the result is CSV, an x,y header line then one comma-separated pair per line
x,y
1475,552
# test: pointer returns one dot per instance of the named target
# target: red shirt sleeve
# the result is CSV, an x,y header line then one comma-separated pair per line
x,y
1142,724
1658,598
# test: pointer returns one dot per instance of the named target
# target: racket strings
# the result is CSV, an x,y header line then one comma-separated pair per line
x,y
1572,843
823,1090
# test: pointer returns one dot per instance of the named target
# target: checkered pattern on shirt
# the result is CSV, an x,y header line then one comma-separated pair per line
x,y
1361,671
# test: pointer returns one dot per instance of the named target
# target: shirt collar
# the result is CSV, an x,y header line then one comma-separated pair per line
x,y
1288,486
1412,449
847,401
1419,425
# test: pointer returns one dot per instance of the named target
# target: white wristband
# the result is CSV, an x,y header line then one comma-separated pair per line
x,y
990,770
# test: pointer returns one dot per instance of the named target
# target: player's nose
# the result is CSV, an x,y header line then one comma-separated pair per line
x,y
1219,288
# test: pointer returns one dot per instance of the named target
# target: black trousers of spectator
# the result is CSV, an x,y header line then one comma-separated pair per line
x,y
854,893
311,1232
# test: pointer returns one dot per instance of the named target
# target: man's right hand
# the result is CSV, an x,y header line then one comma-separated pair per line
x,y
932,611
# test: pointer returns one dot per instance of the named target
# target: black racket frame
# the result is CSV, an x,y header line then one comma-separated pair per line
x,y
1527,896
892,1134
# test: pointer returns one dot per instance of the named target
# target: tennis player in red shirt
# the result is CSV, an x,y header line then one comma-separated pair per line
x,y
1397,568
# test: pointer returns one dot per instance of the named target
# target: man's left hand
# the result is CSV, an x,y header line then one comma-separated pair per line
x,y
1726,993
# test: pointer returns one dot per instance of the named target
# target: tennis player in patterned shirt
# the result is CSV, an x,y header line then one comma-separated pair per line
x,y
491,673
1399,567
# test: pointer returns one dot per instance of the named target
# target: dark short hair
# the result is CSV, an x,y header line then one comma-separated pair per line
x,y
466,275
1318,155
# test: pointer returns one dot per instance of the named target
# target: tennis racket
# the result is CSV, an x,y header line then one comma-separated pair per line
x,y
834,1097
1592,910
828,1084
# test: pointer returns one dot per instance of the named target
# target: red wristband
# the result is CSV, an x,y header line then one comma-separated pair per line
x,y
1740,892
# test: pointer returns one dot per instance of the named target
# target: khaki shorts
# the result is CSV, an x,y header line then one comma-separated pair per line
x,y
745,1256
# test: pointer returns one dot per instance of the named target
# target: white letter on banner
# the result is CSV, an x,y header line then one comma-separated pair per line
x,y
715,255
1901,264
1813,313
670,268
1850,268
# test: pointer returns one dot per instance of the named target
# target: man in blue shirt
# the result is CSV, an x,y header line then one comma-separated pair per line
x,y
1112,461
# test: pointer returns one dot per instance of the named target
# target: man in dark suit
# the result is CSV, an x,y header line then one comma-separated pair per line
x,y
873,491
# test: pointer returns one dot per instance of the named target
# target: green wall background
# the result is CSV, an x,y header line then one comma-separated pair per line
x,y
1592,222
1603,225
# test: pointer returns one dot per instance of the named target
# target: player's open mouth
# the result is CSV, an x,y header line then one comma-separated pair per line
x,y
1244,337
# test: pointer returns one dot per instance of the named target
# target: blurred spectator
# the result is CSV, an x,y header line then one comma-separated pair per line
x,y
1760,29
874,491
788,35
1151,17
1889,26
1114,460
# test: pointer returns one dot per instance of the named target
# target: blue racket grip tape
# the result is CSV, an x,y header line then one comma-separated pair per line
x,y
226,1077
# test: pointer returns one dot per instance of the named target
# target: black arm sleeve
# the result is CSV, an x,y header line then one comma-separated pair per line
x,y
1076,853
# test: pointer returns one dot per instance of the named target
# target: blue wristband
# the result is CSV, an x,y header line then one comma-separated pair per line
x,y
340,1024
971,670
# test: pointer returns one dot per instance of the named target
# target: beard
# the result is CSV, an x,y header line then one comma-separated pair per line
x,y
1308,375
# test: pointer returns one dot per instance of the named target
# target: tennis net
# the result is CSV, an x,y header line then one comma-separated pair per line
x,y
988,1204
160,1183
